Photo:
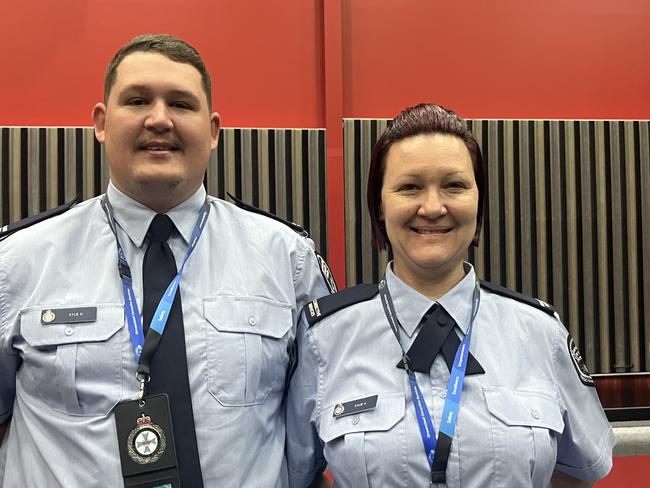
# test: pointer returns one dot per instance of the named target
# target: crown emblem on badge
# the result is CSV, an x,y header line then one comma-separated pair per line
x,y
339,409
48,316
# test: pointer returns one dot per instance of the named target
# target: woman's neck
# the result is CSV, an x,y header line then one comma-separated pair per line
x,y
432,285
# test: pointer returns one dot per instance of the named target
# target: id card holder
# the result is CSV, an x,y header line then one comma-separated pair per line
x,y
146,442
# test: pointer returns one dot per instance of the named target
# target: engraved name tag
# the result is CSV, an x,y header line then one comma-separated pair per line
x,y
68,315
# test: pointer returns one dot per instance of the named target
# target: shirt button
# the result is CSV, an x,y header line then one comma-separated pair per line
x,y
68,331
535,414
355,420
442,321
443,394
252,320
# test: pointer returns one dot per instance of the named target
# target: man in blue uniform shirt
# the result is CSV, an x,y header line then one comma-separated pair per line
x,y
68,344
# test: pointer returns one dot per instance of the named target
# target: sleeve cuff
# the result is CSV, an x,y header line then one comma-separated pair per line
x,y
597,470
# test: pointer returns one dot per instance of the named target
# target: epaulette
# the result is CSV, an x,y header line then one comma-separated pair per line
x,y
507,292
7,230
317,310
243,205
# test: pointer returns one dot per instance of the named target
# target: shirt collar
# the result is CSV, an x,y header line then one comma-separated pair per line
x,y
135,218
410,305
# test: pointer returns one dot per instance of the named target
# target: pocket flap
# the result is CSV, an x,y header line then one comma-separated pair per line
x,y
389,411
252,315
110,319
517,407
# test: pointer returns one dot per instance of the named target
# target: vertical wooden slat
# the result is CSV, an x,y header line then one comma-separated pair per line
x,y
588,245
572,319
51,170
644,157
526,212
557,215
88,164
297,170
601,249
16,184
263,145
616,228
510,248
33,180
246,166
314,189
541,214
366,153
493,197
631,174
350,202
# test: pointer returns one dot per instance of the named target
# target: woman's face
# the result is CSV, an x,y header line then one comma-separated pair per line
x,y
429,201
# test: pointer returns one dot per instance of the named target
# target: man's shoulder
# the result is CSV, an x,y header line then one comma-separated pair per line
x,y
51,226
252,222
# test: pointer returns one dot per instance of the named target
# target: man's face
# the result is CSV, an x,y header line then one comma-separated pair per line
x,y
157,130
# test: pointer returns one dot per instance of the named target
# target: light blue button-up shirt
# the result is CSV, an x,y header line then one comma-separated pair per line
x,y
242,291
526,416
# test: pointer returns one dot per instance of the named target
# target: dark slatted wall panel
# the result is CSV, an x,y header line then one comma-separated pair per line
x,y
567,220
281,170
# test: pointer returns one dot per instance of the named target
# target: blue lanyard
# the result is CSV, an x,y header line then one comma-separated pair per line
x,y
131,309
456,377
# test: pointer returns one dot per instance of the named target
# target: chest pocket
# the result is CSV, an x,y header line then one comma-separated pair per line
x,y
76,368
356,442
247,348
525,430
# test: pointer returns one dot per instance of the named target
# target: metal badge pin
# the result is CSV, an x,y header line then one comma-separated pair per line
x,y
48,316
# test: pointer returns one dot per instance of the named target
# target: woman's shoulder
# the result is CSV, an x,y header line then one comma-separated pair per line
x,y
507,294
330,305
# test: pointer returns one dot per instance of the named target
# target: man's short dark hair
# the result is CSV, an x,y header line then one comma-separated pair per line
x,y
167,45
425,118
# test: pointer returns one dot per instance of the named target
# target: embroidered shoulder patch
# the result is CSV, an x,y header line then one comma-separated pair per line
x,y
579,364
327,274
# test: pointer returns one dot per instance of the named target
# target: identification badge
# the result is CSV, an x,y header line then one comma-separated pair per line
x,y
146,443
355,406
68,315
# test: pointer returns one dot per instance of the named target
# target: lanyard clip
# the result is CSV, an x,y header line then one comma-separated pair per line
x,y
143,379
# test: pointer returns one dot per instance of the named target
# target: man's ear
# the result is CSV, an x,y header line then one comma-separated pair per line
x,y
99,120
215,127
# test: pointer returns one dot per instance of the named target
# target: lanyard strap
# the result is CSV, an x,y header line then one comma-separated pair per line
x,y
131,310
437,452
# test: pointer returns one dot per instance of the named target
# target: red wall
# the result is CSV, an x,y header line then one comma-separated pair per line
x,y
265,56
499,59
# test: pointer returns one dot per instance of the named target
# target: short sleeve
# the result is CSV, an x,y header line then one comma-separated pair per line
x,y
585,446
303,447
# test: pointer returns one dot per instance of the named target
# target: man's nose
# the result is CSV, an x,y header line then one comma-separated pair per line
x,y
159,117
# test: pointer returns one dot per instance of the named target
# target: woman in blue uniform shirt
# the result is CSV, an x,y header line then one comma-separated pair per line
x,y
432,377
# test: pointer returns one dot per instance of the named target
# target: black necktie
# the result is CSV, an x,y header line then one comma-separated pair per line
x,y
169,364
437,335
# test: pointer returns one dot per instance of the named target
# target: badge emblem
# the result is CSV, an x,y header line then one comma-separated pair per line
x,y
48,316
338,410
579,364
146,441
